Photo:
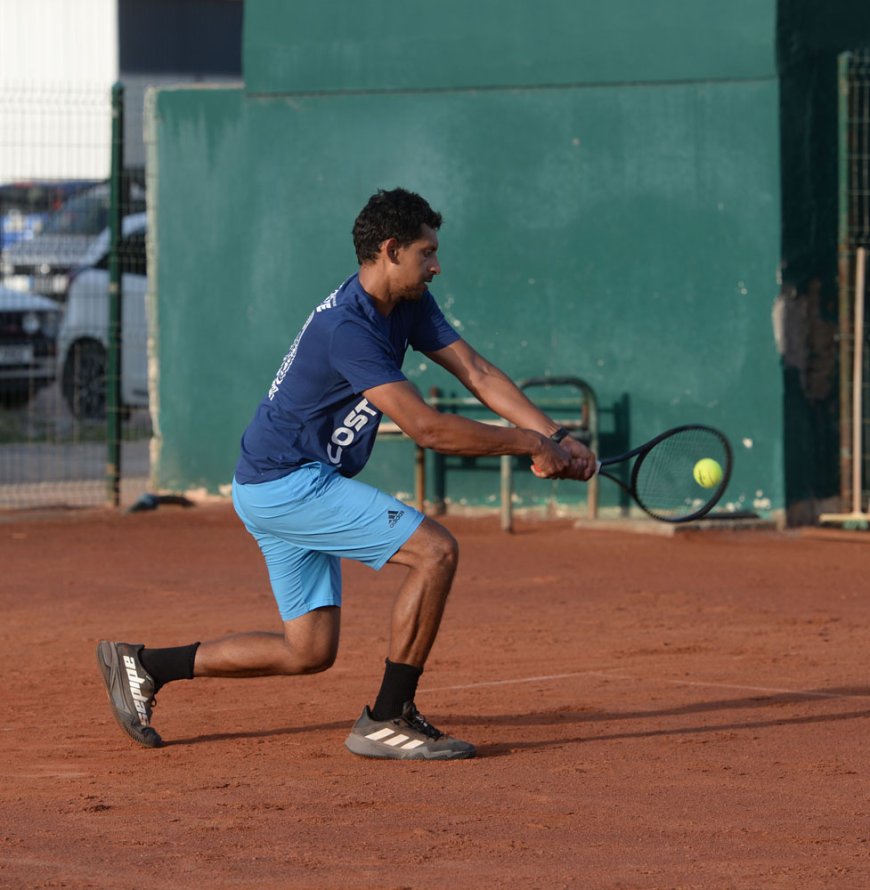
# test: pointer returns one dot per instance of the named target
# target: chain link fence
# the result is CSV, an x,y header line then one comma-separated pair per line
x,y
55,151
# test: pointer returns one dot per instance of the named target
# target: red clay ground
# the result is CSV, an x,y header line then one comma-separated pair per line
x,y
650,713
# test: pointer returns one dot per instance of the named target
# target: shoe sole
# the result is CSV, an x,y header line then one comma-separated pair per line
x,y
363,747
107,662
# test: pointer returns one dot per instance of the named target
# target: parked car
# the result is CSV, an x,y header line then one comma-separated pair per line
x,y
25,205
28,342
83,340
42,264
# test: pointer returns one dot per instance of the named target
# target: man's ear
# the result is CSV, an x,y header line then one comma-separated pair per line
x,y
390,250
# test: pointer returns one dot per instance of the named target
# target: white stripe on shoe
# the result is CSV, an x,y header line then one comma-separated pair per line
x,y
399,739
380,734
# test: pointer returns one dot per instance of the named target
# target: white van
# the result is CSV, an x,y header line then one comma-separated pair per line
x,y
83,340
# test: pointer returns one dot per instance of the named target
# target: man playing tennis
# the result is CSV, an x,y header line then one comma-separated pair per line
x,y
294,489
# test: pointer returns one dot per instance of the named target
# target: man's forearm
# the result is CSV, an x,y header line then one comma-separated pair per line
x,y
501,395
452,434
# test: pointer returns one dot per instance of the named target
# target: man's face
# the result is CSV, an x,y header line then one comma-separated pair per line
x,y
417,264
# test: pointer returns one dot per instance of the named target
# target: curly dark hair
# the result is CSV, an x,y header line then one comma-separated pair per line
x,y
398,214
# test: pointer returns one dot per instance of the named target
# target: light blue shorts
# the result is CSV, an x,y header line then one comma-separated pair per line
x,y
309,520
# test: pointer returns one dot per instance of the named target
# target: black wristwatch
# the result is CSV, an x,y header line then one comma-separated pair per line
x,y
559,434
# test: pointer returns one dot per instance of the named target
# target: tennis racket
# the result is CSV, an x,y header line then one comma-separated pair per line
x,y
664,477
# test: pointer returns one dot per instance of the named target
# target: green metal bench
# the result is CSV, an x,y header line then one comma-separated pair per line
x,y
578,413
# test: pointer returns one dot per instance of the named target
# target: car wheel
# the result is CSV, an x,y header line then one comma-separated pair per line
x,y
84,379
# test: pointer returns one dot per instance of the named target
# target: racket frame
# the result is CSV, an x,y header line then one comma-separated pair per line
x,y
643,450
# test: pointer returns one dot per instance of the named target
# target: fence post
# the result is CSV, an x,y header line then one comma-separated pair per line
x,y
113,369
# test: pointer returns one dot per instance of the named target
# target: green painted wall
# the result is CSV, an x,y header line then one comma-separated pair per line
x,y
610,213
341,45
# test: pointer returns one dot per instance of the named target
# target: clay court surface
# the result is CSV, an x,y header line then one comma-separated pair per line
x,y
650,712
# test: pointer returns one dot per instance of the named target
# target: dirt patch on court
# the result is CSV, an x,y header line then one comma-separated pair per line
x,y
649,712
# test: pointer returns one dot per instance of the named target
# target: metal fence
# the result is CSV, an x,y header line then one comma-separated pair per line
x,y
854,198
56,441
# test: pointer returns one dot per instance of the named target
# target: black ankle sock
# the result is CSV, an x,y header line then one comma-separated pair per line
x,y
166,665
399,686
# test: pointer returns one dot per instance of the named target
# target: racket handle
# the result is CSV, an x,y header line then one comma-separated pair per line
x,y
597,467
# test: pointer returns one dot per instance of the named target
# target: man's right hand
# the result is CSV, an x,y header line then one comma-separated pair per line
x,y
568,460
583,460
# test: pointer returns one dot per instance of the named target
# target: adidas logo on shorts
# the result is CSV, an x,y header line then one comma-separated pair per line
x,y
393,516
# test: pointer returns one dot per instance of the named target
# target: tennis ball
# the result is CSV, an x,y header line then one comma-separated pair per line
x,y
707,473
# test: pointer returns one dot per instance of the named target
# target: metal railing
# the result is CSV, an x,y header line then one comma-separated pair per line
x,y
577,413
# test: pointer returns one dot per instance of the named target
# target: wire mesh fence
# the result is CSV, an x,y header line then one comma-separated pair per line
x,y
55,148
854,234
859,149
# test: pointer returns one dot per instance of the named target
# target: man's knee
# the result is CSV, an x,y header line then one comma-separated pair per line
x,y
431,549
442,549
310,657
449,550
319,660
311,642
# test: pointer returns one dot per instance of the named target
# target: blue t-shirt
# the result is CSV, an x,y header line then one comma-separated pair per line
x,y
315,410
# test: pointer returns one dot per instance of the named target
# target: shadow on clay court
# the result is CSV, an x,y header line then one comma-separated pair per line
x,y
590,716
260,734
502,748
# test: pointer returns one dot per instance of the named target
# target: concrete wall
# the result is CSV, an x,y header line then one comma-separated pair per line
x,y
610,181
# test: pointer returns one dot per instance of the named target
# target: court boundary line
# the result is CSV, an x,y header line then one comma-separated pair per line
x,y
545,678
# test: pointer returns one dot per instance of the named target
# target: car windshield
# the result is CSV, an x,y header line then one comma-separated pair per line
x,y
86,214
39,197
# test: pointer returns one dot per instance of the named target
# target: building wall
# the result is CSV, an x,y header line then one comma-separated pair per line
x,y
610,182
163,43
196,39
60,58
57,62
312,46
41,41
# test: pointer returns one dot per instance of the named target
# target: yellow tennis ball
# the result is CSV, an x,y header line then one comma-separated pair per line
x,y
707,473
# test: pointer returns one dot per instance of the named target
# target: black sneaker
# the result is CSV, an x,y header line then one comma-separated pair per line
x,y
131,690
409,737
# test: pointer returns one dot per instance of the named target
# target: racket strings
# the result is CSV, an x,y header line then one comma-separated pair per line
x,y
664,480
